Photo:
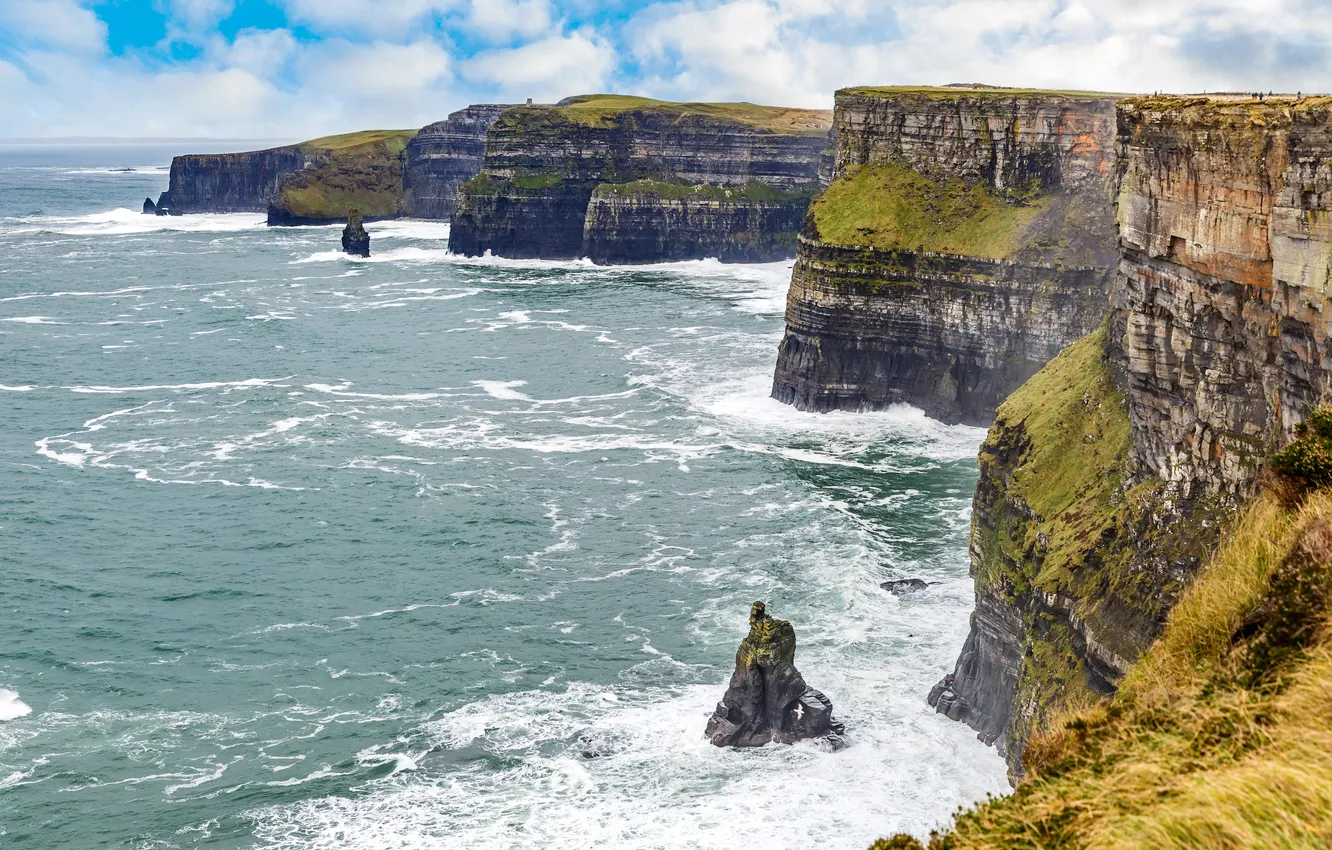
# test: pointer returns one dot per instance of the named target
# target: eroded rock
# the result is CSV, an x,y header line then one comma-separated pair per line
x,y
767,700
355,239
897,587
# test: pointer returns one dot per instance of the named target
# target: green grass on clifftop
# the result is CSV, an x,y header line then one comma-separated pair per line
x,y
357,171
602,110
890,205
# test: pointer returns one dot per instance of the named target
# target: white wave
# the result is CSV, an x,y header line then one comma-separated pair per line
x,y
409,254
503,389
22,389
33,320
124,222
341,390
204,385
11,707
410,228
127,170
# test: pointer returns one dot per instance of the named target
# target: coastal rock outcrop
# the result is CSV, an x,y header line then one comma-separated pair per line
x,y
382,173
968,235
355,239
1105,479
767,701
633,180
441,157
149,208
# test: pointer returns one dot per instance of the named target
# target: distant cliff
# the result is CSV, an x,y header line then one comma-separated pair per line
x,y
1106,478
229,182
381,173
623,179
967,236
441,157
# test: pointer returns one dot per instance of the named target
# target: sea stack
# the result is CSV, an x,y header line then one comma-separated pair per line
x,y
355,240
149,208
767,700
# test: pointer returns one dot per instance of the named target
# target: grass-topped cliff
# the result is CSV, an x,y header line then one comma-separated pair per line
x,y
624,179
355,171
605,110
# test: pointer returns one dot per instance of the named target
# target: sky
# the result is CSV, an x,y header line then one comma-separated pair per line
x,y
296,69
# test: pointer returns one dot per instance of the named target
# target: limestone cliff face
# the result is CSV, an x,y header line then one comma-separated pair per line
x,y
229,182
1222,313
967,237
441,157
543,165
1105,478
626,223
869,327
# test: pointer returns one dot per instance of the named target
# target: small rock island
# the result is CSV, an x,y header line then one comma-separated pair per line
x,y
767,700
355,239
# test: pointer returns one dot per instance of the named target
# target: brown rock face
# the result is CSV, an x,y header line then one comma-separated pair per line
x,y
880,318
1221,315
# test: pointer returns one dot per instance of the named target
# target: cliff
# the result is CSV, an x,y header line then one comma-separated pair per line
x,y
441,157
355,172
671,181
228,182
1106,479
968,235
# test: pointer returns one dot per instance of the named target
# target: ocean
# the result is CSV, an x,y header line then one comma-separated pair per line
x,y
301,551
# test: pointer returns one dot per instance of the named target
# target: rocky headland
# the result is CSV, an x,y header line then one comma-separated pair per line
x,y
967,237
381,173
632,180
767,700
1109,478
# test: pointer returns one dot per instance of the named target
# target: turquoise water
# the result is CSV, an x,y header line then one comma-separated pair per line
x,y
306,552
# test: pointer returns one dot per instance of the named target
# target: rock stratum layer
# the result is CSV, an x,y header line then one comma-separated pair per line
x,y
443,156
632,180
968,235
1105,479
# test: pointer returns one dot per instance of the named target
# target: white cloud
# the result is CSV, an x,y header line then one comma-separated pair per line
x,y
196,14
503,19
379,69
372,17
56,24
545,70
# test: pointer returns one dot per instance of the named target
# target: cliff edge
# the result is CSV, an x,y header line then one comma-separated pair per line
x,y
632,180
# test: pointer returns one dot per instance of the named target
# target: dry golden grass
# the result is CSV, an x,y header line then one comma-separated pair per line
x,y
1199,749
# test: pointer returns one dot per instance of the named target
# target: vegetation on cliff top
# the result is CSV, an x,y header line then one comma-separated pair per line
x,y
1083,553
1219,737
890,205
356,171
604,110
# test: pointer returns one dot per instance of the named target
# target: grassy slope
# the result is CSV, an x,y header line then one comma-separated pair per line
x,y
601,110
890,205
1210,742
360,171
